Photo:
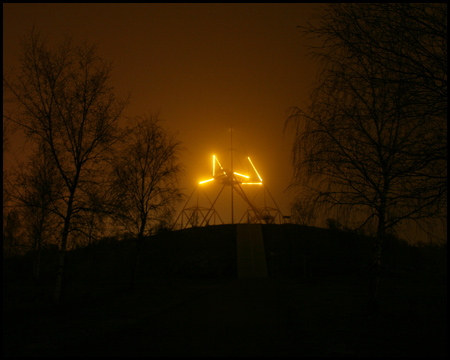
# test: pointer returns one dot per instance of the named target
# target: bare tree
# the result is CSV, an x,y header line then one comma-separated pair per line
x,y
90,224
37,189
64,101
8,130
372,143
13,238
145,179
8,126
303,212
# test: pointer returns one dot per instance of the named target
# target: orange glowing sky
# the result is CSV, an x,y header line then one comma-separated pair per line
x,y
205,67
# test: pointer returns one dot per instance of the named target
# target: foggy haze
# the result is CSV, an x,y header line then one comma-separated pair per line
x,y
205,67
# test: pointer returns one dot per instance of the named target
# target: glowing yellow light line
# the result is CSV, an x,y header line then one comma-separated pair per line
x,y
204,181
260,183
214,165
221,166
242,175
255,169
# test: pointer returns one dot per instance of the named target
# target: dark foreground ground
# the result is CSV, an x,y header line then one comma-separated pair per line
x,y
265,317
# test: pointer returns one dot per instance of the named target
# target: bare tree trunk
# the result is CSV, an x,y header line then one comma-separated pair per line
x,y
62,252
38,247
374,289
137,256
37,258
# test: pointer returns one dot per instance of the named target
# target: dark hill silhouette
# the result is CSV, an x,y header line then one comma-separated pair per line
x,y
292,251
188,300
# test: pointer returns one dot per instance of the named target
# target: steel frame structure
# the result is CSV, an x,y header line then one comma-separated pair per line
x,y
203,216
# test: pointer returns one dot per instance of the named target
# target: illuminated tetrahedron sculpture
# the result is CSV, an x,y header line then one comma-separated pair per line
x,y
226,177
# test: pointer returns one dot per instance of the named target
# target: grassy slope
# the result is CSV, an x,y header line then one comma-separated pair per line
x,y
307,307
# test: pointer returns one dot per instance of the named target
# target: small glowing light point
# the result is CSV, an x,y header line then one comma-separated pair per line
x,y
242,175
260,183
205,181
255,169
